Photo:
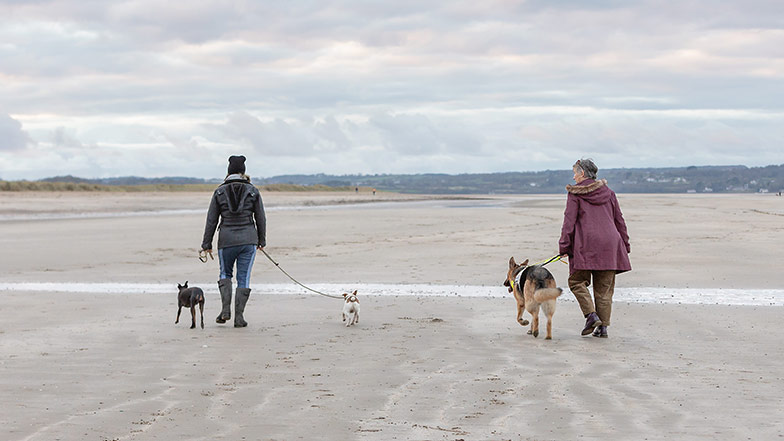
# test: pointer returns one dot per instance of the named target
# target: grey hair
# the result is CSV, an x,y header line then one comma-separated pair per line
x,y
588,167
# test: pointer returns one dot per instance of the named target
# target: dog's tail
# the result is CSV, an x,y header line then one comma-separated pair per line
x,y
544,294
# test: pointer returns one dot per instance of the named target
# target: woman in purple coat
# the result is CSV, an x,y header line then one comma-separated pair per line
x,y
595,239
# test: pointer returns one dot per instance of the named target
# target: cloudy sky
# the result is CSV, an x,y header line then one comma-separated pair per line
x,y
97,88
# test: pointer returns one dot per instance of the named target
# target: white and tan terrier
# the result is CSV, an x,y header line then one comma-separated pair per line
x,y
351,308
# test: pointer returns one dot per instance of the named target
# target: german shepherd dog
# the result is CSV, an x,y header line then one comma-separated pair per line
x,y
533,286
189,298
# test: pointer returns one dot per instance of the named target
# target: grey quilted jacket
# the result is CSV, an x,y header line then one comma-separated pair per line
x,y
237,205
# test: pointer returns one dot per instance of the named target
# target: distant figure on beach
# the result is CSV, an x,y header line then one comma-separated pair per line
x,y
595,239
374,192
243,225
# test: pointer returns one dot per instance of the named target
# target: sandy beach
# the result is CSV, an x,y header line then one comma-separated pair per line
x,y
114,366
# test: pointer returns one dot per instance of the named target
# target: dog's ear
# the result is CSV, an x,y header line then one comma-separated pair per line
x,y
525,263
512,263
179,286
355,292
345,294
186,284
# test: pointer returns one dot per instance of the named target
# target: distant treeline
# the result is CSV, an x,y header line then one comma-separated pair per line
x,y
707,179
704,179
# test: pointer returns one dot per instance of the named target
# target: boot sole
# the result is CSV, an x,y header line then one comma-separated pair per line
x,y
222,319
587,331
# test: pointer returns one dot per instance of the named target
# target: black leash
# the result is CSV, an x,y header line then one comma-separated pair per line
x,y
295,280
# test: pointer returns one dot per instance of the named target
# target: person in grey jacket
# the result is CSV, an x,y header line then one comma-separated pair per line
x,y
237,204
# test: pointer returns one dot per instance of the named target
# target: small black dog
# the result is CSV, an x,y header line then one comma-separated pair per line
x,y
189,297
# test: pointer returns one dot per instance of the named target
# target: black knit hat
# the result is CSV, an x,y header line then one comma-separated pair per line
x,y
236,165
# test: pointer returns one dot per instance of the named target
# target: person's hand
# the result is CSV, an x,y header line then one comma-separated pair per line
x,y
260,248
204,253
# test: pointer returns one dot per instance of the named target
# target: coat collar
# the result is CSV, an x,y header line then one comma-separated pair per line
x,y
236,177
586,187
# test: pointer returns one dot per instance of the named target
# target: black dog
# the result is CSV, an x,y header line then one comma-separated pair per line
x,y
189,297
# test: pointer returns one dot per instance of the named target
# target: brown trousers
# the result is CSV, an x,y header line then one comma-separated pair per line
x,y
603,288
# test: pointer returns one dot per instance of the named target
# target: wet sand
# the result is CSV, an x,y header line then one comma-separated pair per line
x,y
114,366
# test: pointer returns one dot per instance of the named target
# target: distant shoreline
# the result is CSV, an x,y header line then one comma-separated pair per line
x,y
662,180
69,187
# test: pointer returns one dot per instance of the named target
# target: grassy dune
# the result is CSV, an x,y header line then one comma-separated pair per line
x,y
85,187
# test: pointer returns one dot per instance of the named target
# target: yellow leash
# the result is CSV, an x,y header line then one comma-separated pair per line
x,y
542,263
550,260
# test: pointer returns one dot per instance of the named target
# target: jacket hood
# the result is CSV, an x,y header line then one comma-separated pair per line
x,y
591,191
236,191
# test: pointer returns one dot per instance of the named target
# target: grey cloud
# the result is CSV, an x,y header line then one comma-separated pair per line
x,y
398,135
416,134
61,138
601,49
408,134
12,137
331,133
401,83
276,137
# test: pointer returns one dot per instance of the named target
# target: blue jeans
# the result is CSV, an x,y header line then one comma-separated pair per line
x,y
244,255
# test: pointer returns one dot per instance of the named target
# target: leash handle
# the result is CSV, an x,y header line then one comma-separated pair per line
x,y
295,280
203,255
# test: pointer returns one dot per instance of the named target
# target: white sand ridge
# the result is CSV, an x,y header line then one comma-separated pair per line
x,y
690,296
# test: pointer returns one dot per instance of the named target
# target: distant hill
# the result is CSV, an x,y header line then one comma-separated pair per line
x,y
707,179
703,179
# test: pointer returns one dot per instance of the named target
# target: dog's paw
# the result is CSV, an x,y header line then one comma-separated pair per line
x,y
536,333
524,322
193,326
548,338
530,332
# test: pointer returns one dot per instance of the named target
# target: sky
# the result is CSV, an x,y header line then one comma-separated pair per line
x,y
97,88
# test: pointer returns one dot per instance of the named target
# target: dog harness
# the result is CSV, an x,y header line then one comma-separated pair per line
x,y
517,278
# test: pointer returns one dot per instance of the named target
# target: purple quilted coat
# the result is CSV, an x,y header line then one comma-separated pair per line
x,y
594,232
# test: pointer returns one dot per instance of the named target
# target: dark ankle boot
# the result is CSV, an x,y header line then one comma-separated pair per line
x,y
591,322
224,286
239,307
600,331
